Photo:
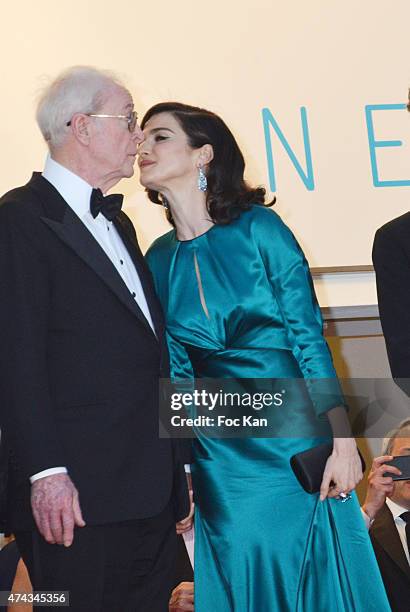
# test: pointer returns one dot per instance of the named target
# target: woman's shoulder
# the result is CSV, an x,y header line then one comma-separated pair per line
x,y
270,232
262,218
162,244
161,248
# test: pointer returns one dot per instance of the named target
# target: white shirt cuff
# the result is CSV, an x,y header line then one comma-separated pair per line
x,y
368,521
187,467
49,472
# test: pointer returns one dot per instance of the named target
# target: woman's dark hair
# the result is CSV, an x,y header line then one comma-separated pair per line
x,y
228,195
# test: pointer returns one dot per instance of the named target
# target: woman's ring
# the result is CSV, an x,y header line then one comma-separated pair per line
x,y
343,497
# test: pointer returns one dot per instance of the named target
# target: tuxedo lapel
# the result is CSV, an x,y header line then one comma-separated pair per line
x,y
123,227
130,241
384,530
61,219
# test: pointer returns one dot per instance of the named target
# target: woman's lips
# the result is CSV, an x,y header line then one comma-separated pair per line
x,y
145,163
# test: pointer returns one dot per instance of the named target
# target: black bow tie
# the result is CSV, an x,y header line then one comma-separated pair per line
x,y
109,206
406,517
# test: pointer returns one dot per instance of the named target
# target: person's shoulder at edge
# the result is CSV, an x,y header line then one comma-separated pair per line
x,y
18,200
395,227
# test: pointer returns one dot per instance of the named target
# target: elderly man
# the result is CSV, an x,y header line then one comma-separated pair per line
x,y
93,492
387,513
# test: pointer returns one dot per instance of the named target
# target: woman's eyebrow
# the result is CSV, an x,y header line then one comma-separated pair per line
x,y
159,129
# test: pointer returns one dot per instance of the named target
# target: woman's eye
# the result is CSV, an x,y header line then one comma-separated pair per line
x,y
159,137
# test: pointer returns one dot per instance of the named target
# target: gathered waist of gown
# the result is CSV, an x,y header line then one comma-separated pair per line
x,y
241,379
279,366
244,362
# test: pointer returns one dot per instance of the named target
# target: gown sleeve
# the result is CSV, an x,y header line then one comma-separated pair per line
x,y
289,276
182,373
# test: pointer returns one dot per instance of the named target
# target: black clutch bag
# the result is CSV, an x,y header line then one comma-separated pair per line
x,y
309,466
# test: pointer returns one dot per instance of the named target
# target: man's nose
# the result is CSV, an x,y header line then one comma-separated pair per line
x,y
138,134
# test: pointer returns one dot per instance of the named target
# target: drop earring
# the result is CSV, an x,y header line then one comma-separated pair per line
x,y
164,202
202,182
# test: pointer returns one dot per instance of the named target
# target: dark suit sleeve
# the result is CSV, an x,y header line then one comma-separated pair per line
x,y
25,289
9,559
184,571
4,464
392,267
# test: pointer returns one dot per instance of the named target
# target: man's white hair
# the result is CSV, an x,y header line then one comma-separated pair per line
x,y
79,89
402,431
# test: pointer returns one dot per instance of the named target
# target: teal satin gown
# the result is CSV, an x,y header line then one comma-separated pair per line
x,y
239,303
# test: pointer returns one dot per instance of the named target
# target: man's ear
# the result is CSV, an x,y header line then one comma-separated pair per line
x,y
80,125
206,155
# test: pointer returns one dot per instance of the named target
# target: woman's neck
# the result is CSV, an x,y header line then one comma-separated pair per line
x,y
189,212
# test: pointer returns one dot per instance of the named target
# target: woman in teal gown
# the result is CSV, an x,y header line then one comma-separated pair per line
x,y
239,303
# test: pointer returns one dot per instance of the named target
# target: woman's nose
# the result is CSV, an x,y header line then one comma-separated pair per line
x,y
143,148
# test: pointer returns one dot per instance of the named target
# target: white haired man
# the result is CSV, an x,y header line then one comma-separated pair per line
x,y
93,492
387,513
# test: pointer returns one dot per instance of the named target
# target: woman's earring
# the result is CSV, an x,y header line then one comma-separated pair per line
x,y
164,202
202,182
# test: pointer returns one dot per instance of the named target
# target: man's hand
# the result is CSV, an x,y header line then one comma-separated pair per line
x,y
379,486
182,597
56,508
186,523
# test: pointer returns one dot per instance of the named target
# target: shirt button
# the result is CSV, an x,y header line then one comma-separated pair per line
x,y
108,228
133,294
121,262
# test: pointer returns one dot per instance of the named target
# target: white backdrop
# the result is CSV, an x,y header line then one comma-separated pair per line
x,y
238,58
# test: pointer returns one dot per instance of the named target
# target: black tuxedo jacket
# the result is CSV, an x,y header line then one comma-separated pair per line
x,y
391,259
80,365
393,564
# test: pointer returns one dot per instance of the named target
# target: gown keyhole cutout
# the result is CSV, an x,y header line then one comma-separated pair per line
x,y
200,287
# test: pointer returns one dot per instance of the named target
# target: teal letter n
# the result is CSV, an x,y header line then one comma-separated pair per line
x,y
268,122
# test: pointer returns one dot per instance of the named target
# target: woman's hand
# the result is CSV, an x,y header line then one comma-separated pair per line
x,y
343,469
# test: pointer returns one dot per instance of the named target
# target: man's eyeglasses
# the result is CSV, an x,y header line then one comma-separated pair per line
x,y
131,119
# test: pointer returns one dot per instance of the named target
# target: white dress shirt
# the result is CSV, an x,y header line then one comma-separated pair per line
x,y
76,192
368,521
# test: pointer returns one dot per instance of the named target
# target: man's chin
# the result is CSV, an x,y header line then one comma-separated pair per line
x,y
128,172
